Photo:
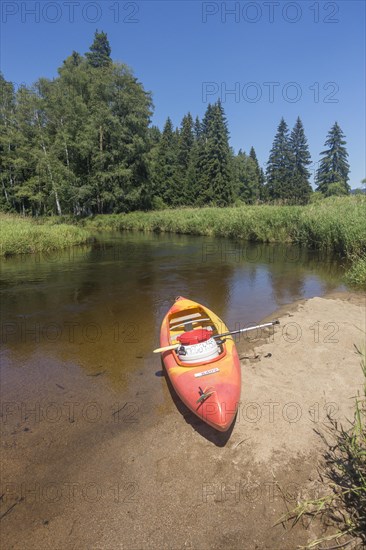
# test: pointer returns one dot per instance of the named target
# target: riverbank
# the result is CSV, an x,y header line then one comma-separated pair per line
x,y
152,475
336,225
25,235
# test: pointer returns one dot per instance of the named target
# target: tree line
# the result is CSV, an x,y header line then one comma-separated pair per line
x,y
83,143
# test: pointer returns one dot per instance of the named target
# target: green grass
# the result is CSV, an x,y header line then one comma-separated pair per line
x,y
356,275
344,470
24,235
336,224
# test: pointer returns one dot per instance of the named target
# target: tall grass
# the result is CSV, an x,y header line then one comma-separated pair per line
x,y
356,275
336,224
345,472
23,235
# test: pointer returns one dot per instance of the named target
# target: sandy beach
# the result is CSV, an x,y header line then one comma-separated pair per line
x,y
80,470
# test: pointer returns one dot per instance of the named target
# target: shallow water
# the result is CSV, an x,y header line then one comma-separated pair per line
x,y
84,403
100,306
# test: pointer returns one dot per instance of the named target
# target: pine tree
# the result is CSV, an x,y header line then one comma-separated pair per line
x,y
280,165
301,188
100,51
332,175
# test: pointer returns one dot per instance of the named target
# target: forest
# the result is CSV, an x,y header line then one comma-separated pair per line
x,y
83,144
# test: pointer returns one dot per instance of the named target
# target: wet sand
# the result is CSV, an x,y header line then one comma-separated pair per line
x,y
85,466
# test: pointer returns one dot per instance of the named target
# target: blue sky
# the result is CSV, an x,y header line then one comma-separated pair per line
x,y
277,58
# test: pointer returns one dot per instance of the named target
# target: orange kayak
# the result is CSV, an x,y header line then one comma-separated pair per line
x,y
204,371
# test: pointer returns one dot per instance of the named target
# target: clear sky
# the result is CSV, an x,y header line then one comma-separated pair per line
x,y
277,59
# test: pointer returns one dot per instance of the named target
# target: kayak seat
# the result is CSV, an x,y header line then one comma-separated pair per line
x,y
185,318
187,322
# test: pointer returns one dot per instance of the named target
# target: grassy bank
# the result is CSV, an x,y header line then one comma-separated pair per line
x,y
356,275
336,224
24,235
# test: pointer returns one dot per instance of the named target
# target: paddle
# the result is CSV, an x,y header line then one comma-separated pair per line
x,y
175,346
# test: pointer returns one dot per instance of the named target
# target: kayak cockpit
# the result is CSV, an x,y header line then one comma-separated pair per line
x,y
194,331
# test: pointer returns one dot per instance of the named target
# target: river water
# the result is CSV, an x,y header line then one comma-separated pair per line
x,y
94,441
100,306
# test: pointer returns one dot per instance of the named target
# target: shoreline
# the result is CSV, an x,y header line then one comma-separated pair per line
x,y
354,296
333,224
131,480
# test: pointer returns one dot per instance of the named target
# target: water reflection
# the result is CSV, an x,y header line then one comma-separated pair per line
x,y
100,306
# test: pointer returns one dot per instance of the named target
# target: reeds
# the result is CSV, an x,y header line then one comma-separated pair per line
x,y
336,224
23,235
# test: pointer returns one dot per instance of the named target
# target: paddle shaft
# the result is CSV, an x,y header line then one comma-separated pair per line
x,y
175,346
247,329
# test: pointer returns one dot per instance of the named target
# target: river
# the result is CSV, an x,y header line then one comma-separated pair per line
x,y
96,448
100,306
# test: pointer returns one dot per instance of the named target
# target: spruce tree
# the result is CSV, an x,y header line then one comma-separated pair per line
x,y
334,167
280,165
165,174
197,129
262,186
198,176
185,142
154,135
261,195
253,156
100,51
194,169
215,168
246,177
300,188
184,154
259,181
